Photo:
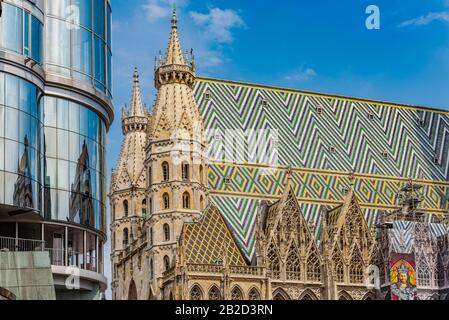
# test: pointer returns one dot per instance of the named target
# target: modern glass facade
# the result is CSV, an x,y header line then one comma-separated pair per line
x,y
19,143
73,163
55,110
26,39
79,45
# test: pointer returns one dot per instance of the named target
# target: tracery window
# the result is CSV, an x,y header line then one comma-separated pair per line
x,y
293,264
214,293
253,294
236,294
356,269
125,237
273,261
196,293
313,267
338,267
144,207
424,272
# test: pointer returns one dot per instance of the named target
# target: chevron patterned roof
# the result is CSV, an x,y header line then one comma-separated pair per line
x,y
327,143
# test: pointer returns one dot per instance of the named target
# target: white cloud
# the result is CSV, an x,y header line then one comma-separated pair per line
x,y
301,74
160,9
218,23
425,20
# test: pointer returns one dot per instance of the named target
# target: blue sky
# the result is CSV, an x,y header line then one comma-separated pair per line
x,y
320,45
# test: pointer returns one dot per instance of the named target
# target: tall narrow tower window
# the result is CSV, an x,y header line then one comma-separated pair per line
x,y
186,200
166,201
201,175
125,237
166,263
185,171
165,172
125,207
144,207
166,232
201,203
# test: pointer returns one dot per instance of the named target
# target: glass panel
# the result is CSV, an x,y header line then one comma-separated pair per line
x,y
58,8
91,252
12,91
2,155
85,10
54,237
12,22
50,111
99,16
36,39
63,144
50,145
76,247
26,34
58,42
62,114
63,176
109,24
2,120
82,50
2,86
12,124
74,116
99,60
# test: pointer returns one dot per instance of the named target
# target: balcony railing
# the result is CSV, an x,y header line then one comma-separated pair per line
x,y
21,245
217,268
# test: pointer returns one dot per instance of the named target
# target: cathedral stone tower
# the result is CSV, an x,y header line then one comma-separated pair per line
x,y
128,181
176,160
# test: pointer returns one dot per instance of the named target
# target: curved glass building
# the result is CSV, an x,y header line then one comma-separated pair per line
x,y
55,111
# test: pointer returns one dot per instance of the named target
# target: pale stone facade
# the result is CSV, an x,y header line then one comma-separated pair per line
x,y
171,242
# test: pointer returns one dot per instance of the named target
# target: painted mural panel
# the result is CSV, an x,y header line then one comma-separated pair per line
x,y
403,277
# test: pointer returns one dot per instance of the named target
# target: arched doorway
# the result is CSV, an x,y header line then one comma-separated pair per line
x,y
308,295
132,292
343,295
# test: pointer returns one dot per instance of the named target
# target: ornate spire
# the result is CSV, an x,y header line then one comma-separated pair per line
x,y
134,118
174,51
136,99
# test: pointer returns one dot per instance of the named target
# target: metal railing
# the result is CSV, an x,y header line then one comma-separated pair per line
x,y
217,268
21,245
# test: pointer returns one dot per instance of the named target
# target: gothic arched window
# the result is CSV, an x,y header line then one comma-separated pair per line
x,y
293,264
165,172
338,266
151,236
356,269
150,206
166,263
166,232
253,294
166,201
196,293
236,294
125,207
186,200
313,267
185,171
214,293
125,237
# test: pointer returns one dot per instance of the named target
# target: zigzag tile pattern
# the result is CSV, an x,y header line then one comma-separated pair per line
x,y
323,139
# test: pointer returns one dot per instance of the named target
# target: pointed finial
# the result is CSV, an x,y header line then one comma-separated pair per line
x,y
174,20
136,75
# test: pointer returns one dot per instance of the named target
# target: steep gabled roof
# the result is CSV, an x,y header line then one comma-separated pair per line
x,y
209,240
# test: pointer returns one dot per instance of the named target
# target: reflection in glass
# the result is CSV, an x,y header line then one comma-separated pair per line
x,y
23,189
81,206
